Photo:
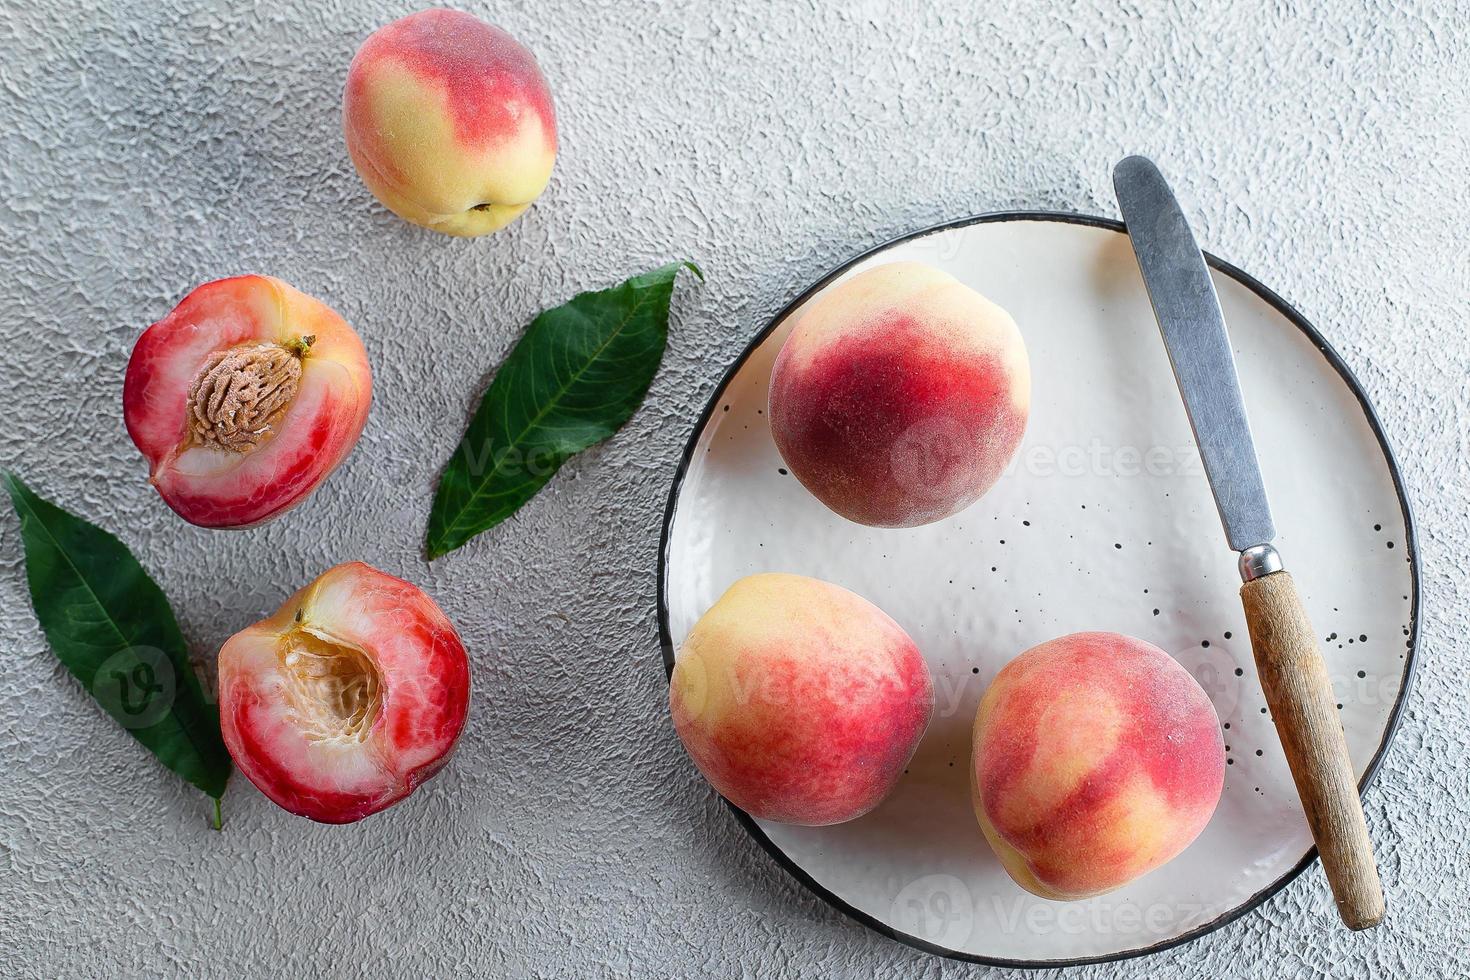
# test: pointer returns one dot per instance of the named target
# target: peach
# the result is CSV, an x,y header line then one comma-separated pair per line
x,y
900,395
449,122
346,699
799,701
1097,758
244,398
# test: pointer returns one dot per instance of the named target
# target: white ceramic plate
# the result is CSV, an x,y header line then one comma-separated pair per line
x,y
1105,521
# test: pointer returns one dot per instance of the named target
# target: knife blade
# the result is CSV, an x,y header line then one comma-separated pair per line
x,y
1291,668
1188,311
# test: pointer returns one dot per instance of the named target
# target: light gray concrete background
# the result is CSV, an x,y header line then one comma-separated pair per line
x,y
146,147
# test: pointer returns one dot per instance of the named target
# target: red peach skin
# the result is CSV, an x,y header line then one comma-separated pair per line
x,y
1097,758
214,487
900,396
449,122
348,698
799,701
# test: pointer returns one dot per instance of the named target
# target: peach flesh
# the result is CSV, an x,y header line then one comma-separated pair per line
x,y
244,398
347,698
1097,758
449,122
798,700
900,396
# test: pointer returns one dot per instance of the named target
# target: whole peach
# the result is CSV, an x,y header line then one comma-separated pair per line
x,y
800,701
1097,758
900,395
449,122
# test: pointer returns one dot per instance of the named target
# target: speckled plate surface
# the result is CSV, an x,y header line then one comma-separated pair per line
x,y
1104,521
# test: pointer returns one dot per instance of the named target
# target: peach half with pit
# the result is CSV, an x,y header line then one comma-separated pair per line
x,y
1097,758
799,701
449,122
900,395
244,398
346,699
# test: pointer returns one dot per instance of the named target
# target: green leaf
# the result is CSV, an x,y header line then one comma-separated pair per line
x,y
577,375
110,624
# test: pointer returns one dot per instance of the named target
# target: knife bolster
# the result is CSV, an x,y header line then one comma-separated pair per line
x,y
1258,561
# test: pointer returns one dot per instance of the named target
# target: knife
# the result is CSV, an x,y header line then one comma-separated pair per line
x,y
1292,671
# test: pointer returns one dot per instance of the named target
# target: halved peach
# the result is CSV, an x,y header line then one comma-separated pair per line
x,y
244,398
348,698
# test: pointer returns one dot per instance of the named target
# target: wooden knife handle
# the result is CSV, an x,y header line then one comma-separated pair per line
x,y
1299,693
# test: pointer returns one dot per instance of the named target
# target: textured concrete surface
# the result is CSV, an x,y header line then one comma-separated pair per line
x,y
149,146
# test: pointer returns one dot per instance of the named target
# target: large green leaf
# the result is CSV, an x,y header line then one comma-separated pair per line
x,y
577,375
112,627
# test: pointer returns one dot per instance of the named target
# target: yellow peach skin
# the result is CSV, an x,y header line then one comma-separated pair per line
x,y
798,700
449,122
1097,758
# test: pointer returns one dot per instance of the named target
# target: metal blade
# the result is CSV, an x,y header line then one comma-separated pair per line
x,y
1188,312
